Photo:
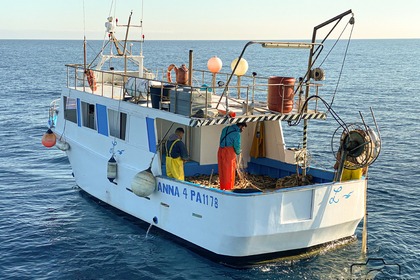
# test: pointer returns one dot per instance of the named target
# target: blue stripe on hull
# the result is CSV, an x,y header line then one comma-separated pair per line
x,y
102,118
151,134
79,118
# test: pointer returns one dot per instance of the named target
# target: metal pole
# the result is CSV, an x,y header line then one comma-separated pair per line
x,y
365,222
305,121
239,86
311,53
126,33
213,82
254,74
225,91
84,63
305,144
191,58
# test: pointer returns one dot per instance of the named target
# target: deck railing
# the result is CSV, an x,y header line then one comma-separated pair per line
x,y
246,92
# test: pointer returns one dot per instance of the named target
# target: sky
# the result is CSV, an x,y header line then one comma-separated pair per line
x,y
207,19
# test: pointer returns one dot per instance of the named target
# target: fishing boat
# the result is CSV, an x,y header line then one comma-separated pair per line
x,y
113,123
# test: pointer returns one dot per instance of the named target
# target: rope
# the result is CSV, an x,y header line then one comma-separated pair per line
x,y
65,121
160,143
117,119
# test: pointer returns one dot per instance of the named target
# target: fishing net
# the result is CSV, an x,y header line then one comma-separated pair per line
x,y
245,180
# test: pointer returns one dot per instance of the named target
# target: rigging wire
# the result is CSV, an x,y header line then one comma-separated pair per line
x,y
323,40
335,43
342,66
329,105
351,22
318,51
121,94
100,53
105,42
320,47
112,12
110,8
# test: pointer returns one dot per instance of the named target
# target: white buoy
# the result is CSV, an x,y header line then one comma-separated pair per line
x,y
241,68
144,183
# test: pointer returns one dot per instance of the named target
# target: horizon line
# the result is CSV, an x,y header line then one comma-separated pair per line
x,y
81,39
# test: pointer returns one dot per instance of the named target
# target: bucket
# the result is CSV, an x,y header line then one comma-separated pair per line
x,y
280,94
155,91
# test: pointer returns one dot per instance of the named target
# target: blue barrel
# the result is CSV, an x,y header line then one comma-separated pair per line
x,y
155,94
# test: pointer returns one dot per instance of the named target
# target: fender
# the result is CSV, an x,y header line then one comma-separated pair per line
x,y
91,80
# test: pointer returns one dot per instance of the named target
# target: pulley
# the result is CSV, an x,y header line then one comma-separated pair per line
x,y
318,74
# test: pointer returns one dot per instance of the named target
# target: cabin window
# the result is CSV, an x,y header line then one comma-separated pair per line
x,y
117,124
88,115
70,112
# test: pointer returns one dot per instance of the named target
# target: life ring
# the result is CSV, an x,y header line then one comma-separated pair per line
x,y
168,74
91,80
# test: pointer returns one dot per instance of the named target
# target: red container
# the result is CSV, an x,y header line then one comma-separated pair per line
x,y
281,94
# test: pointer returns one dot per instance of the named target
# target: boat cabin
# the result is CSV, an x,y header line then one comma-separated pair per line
x,y
124,106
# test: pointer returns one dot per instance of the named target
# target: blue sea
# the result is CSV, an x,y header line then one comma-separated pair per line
x,y
50,229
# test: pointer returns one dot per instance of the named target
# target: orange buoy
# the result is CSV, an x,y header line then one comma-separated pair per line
x,y
214,64
48,139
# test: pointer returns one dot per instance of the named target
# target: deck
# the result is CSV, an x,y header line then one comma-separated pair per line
x,y
204,105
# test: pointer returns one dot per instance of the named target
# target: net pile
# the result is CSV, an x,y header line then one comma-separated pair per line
x,y
251,181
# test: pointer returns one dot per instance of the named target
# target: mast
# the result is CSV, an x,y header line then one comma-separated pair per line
x,y
126,33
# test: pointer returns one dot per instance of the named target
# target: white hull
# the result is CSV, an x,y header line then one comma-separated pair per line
x,y
222,222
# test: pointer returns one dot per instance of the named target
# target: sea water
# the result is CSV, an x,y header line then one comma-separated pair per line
x,y
50,229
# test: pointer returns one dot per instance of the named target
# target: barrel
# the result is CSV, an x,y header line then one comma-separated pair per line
x,y
280,94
